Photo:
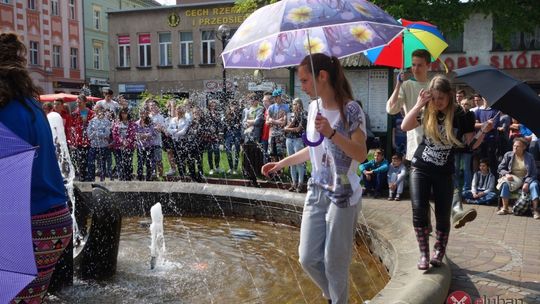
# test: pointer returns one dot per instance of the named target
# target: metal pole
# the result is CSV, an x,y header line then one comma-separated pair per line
x,y
224,90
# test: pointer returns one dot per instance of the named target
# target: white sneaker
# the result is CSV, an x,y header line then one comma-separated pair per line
x,y
229,171
171,172
211,172
234,172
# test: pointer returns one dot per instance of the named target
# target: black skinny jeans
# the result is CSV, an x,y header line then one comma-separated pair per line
x,y
421,184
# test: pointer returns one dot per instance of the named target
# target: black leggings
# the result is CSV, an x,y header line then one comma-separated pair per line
x,y
421,184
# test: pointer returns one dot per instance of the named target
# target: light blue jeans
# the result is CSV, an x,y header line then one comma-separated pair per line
x,y
392,179
297,171
326,243
533,189
487,199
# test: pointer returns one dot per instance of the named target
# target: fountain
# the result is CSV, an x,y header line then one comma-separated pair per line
x,y
157,247
216,251
251,229
95,255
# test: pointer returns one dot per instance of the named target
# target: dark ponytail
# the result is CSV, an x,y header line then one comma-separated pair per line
x,y
339,83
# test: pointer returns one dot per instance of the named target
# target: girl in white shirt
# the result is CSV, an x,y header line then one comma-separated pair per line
x,y
334,192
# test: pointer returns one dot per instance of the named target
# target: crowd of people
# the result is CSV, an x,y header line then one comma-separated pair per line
x,y
109,133
501,164
481,174
104,138
444,136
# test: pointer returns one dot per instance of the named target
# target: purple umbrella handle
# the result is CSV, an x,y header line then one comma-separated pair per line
x,y
312,143
305,138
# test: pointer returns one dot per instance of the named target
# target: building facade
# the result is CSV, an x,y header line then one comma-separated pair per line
x,y
477,45
175,49
96,38
53,33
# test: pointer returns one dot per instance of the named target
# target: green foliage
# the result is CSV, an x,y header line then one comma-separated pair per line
x,y
509,16
248,6
448,15
160,99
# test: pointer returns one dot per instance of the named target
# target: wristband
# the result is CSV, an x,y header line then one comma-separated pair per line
x,y
332,135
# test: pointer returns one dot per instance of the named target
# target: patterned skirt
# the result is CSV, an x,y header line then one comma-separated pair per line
x,y
51,233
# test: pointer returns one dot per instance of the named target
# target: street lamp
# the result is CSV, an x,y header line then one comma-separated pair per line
x,y
224,32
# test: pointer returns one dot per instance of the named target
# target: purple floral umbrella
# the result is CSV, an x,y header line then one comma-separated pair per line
x,y
276,35
17,262
282,34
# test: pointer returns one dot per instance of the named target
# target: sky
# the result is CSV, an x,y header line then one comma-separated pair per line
x,y
169,2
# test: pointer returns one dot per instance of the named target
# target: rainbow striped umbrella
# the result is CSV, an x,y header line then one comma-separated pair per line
x,y
417,35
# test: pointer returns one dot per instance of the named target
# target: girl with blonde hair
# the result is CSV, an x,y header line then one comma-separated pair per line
x,y
432,165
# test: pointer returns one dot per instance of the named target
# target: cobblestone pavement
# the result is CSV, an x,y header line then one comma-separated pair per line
x,y
494,259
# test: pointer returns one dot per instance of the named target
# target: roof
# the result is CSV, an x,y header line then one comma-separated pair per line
x,y
358,60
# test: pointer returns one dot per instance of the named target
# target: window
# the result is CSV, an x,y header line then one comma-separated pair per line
x,y
186,48
455,43
57,56
74,58
124,56
520,41
72,12
98,50
34,52
208,47
165,49
31,4
55,9
144,50
97,18
5,1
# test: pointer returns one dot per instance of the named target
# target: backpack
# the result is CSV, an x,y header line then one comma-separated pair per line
x,y
522,205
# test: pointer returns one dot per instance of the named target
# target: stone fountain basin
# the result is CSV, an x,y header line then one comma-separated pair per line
x,y
390,238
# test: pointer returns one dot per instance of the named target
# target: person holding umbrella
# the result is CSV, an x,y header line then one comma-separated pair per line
x,y
51,222
334,193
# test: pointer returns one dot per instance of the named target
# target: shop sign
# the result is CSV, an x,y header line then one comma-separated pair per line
x,y
216,85
502,60
99,81
131,88
215,16
263,86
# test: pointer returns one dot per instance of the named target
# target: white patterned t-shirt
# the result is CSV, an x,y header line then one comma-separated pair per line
x,y
332,169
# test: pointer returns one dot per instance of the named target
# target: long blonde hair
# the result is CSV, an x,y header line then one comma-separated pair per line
x,y
430,121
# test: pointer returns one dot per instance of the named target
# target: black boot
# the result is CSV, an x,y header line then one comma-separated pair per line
x,y
422,236
441,240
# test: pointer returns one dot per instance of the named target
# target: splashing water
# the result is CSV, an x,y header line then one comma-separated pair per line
x,y
157,246
65,164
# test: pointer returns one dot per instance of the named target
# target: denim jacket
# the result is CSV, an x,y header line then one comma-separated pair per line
x,y
505,167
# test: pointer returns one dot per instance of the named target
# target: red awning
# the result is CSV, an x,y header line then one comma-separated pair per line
x,y
65,97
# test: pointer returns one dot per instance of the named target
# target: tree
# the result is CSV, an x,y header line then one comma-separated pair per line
x,y
509,16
